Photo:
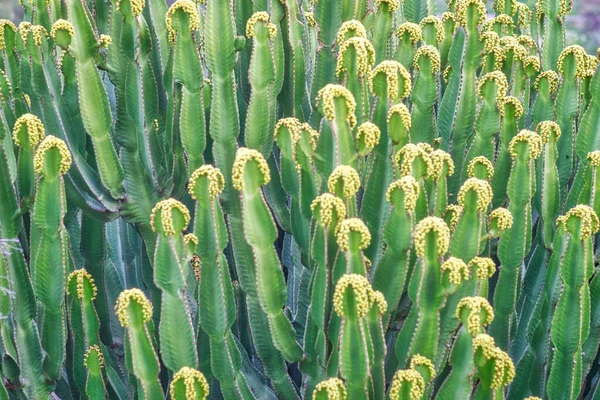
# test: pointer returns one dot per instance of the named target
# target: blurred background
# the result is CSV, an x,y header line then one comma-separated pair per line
x,y
583,24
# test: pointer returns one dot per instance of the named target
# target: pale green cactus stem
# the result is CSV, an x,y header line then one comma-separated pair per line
x,y
414,160
450,26
344,182
383,27
399,123
250,173
432,30
11,62
189,384
352,237
28,133
502,24
305,144
94,362
377,329
407,384
330,389
442,168
546,84
409,35
587,194
548,190
552,14
134,312
424,94
495,369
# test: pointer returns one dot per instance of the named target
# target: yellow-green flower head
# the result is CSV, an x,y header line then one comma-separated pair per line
x,y
504,369
4,23
424,366
456,269
510,101
426,147
500,4
426,226
549,131
292,124
345,178
589,223
263,17
437,24
62,25
352,28
37,31
190,239
186,7
477,311
80,276
409,377
580,56
52,142
590,66
94,351
310,18
352,225
394,72
593,158
410,189
361,291
169,222
485,344
496,77
529,43
551,77
31,127
449,19
483,267
408,154
531,65
305,128
137,6
365,56
326,99
501,218
503,20
377,297
532,398
441,164
393,5
242,157
5,88
216,181
333,387
490,40
432,54
480,167
509,44
411,31
324,207
105,41
461,11
402,111
136,297
524,12
533,141
367,136
452,214
481,188
193,381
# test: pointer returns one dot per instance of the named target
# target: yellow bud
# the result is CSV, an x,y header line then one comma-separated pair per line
x,y
532,139
455,211
410,189
580,56
422,363
52,142
81,275
242,157
124,300
365,56
476,307
362,291
481,188
594,158
457,270
496,77
62,25
426,226
502,218
262,17
348,226
407,155
325,205
513,102
94,349
216,181
589,220
410,30
165,208
326,99
393,5
137,6
409,377
462,8
346,178
5,23
441,162
394,72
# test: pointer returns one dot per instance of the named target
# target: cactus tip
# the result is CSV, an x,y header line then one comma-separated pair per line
x,y
425,227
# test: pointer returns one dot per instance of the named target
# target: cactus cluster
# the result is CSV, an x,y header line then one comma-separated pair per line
x,y
349,199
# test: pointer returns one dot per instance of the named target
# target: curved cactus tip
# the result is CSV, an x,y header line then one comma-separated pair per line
x,y
435,226
43,164
350,29
505,21
364,53
481,168
379,302
593,158
510,104
93,355
352,225
430,53
531,140
454,271
134,6
524,15
475,313
441,164
263,18
4,23
500,220
437,25
313,134
310,18
142,311
424,366
182,13
408,188
292,124
481,188
260,175
326,101
590,66
406,157
586,222
328,208
400,111
344,181
407,382
549,131
62,32
397,78
209,176
105,41
552,80
79,277
37,32
164,221
532,398
452,215
190,239
580,58
333,388
495,77
509,45
462,14
483,268
28,131
359,288
502,365
392,5
411,31
190,382
196,262
490,40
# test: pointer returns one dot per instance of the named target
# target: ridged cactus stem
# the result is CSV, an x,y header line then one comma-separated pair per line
x,y
383,27
424,94
502,168
547,179
94,361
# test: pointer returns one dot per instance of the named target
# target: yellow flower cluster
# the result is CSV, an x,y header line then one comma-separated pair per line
x,y
137,6
409,187
362,294
352,28
532,62
457,270
410,30
481,188
439,228
370,134
191,378
292,124
437,25
421,361
393,71
242,157
261,16
548,130
349,179
589,220
483,162
344,228
440,161
188,7
503,367
480,313
37,31
533,140
496,77
165,207
326,204
551,77
81,275
490,40
52,142
446,73
402,112
580,56
512,101
104,41
310,18
593,158
378,298
334,387
429,52
509,44
365,56
503,20
455,212
393,5
524,19
462,8
3,24
216,182
326,97
33,128
450,18
502,217
483,267
62,25
94,349
190,238
529,43
590,66
123,301
408,154
306,128
407,377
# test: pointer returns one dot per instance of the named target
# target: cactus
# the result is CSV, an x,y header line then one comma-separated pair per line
x,y
298,200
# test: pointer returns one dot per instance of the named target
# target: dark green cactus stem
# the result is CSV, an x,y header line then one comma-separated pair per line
x,y
377,338
552,15
383,27
409,34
